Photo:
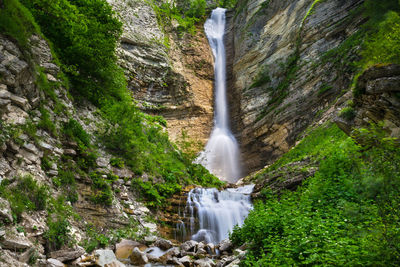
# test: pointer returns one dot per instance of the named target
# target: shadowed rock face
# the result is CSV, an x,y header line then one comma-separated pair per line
x,y
269,116
379,100
175,82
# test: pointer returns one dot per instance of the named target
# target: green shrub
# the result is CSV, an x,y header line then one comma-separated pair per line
x,y
85,36
384,45
58,233
73,130
344,215
25,195
16,21
102,193
66,180
117,162
347,113
45,122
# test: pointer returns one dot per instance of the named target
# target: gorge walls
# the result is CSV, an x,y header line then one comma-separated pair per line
x,y
288,65
169,74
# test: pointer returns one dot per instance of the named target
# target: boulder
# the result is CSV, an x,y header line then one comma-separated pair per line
x,y
5,211
189,246
138,258
163,244
67,254
106,258
205,262
20,102
170,254
15,242
186,261
124,248
54,263
225,245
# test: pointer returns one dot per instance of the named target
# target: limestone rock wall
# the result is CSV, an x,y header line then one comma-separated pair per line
x,y
285,41
24,145
168,75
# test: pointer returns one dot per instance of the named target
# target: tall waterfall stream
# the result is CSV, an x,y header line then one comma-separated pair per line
x,y
213,214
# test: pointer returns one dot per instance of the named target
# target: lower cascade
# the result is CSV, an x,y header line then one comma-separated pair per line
x,y
214,214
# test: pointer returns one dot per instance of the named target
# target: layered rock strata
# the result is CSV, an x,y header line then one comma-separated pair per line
x,y
169,74
281,77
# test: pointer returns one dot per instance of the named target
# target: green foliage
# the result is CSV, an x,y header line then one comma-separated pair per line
x,y
95,239
46,163
117,162
66,180
189,146
324,88
227,3
17,22
45,121
102,192
59,232
261,78
73,130
345,215
383,46
347,113
24,195
84,34
185,13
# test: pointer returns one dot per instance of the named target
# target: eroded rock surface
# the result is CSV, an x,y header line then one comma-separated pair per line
x,y
280,81
175,82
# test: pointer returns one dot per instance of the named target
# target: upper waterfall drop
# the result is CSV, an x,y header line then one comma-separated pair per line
x,y
221,155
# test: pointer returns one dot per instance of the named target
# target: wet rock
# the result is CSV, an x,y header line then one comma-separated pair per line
x,y
138,257
163,244
150,239
170,254
186,261
225,245
5,211
205,262
210,247
124,248
67,254
189,246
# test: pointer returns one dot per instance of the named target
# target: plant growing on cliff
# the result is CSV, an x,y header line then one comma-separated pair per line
x,y
25,194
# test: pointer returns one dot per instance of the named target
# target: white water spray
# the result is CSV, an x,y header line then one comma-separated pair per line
x,y
221,155
217,211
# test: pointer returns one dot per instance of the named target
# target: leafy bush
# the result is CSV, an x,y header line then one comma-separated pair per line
x,y
384,45
16,21
347,113
341,216
102,193
85,35
73,130
45,121
25,195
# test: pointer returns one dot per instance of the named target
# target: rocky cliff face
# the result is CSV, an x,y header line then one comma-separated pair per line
x,y
169,75
288,66
24,149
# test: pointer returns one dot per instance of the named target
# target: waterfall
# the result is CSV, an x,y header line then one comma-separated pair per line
x,y
217,212
221,155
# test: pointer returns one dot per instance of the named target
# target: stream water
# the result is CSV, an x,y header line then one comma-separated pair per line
x,y
213,214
